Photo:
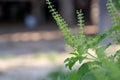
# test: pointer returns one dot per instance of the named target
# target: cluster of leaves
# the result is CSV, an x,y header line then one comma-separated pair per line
x,y
101,66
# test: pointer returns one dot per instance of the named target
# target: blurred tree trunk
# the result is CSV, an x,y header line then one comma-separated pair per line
x,y
94,13
67,10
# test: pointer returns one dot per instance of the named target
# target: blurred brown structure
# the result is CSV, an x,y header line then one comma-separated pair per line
x,y
15,11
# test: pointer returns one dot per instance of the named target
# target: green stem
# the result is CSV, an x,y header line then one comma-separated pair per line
x,y
91,59
92,56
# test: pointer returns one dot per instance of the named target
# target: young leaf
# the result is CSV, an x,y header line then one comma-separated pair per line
x,y
95,41
102,48
74,53
69,62
80,50
100,51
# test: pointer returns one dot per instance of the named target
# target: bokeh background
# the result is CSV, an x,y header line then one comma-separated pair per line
x,y
31,44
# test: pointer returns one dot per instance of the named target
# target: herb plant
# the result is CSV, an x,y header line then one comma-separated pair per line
x,y
98,66
115,19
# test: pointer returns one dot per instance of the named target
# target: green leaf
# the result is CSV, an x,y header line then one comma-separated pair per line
x,y
74,53
116,28
102,48
81,59
89,76
70,62
73,76
66,60
99,39
83,70
80,50
100,51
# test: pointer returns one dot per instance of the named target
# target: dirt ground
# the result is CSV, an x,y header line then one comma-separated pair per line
x,y
20,53
29,67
